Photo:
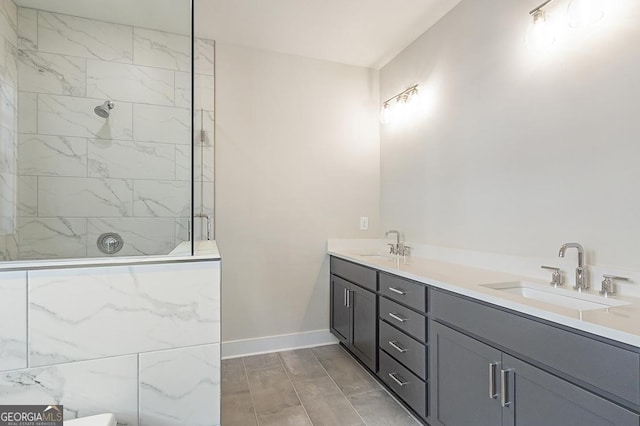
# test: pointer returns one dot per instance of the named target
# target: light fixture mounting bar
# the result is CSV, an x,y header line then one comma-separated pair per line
x,y
533,12
410,90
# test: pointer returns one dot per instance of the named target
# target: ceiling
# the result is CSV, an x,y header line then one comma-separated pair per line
x,y
365,33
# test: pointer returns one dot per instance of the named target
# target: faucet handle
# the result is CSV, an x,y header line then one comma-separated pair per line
x,y
556,277
608,288
392,248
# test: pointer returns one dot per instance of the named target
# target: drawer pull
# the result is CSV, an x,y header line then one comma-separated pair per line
x,y
397,347
397,291
399,380
397,317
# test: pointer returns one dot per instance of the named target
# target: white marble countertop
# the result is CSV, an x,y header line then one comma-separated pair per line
x,y
617,323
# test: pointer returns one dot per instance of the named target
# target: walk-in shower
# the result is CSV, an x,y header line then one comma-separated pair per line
x,y
97,129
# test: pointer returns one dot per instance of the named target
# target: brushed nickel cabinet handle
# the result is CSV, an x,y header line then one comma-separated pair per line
x,y
397,347
492,380
399,380
397,317
504,385
397,291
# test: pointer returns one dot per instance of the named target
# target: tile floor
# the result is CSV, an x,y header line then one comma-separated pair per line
x,y
317,386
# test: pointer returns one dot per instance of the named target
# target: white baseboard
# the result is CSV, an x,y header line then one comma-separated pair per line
x,y
283,342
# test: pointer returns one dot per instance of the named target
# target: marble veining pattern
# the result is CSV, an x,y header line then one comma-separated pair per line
x,y
204,57
161,49
8,151
52,155
27,196
9,21
128,159
84,388
144,308
86,38
90,197
10,63
51,237
74,116
141,236
8,106
180,387
161,198
162,124
131,83
27,28
50,73
183,90
27,111
13,317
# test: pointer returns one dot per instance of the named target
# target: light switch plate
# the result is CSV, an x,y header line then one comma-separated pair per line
x,y
364,223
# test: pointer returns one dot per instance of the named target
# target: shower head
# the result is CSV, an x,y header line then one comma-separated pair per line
x,y
105,109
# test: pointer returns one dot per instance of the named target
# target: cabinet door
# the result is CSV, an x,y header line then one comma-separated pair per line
x,y
538,398
340,312
364,338
461,370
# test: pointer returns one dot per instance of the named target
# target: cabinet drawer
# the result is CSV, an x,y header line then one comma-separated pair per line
x,y
404,291
404,318
604,366
357,274
405,384
406,350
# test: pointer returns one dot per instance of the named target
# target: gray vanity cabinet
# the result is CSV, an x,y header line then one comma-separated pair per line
x,y
340,311
535,397
460,385
354,310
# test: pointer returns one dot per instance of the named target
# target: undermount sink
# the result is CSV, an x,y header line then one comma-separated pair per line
x,y
556,296
377,256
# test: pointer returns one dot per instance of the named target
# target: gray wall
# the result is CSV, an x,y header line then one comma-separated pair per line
x,y
516,151
297,162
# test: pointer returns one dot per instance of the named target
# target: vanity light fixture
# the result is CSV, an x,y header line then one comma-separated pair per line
x,y
584,13
401,99
540,34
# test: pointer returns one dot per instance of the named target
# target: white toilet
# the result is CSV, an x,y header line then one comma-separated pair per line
x,y
99,420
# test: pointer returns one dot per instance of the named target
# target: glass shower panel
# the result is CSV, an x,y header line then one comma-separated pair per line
x,y
99,159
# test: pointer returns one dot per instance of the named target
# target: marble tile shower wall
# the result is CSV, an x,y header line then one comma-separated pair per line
x,y
8,128
80,175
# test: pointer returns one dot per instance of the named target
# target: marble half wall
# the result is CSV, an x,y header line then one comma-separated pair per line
x,y
140,341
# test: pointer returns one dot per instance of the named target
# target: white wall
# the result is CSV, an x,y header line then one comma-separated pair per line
x,y
296,162
516,151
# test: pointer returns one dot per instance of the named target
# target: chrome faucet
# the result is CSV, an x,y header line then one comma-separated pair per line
x,y
398,248
582,283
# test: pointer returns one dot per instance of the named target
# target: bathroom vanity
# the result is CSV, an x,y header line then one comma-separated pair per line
x,y
457,350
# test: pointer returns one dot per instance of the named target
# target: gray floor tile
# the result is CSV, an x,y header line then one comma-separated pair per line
x,y
377,408
350,377
237,409
292,416
329,352
258,362
234,378
302,364
325,404
271,390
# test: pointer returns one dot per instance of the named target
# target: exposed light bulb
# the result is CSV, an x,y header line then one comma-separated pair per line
x,y
584,13
541,33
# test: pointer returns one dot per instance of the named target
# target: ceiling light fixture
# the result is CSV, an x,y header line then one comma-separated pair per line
x,y
390,106
540,34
